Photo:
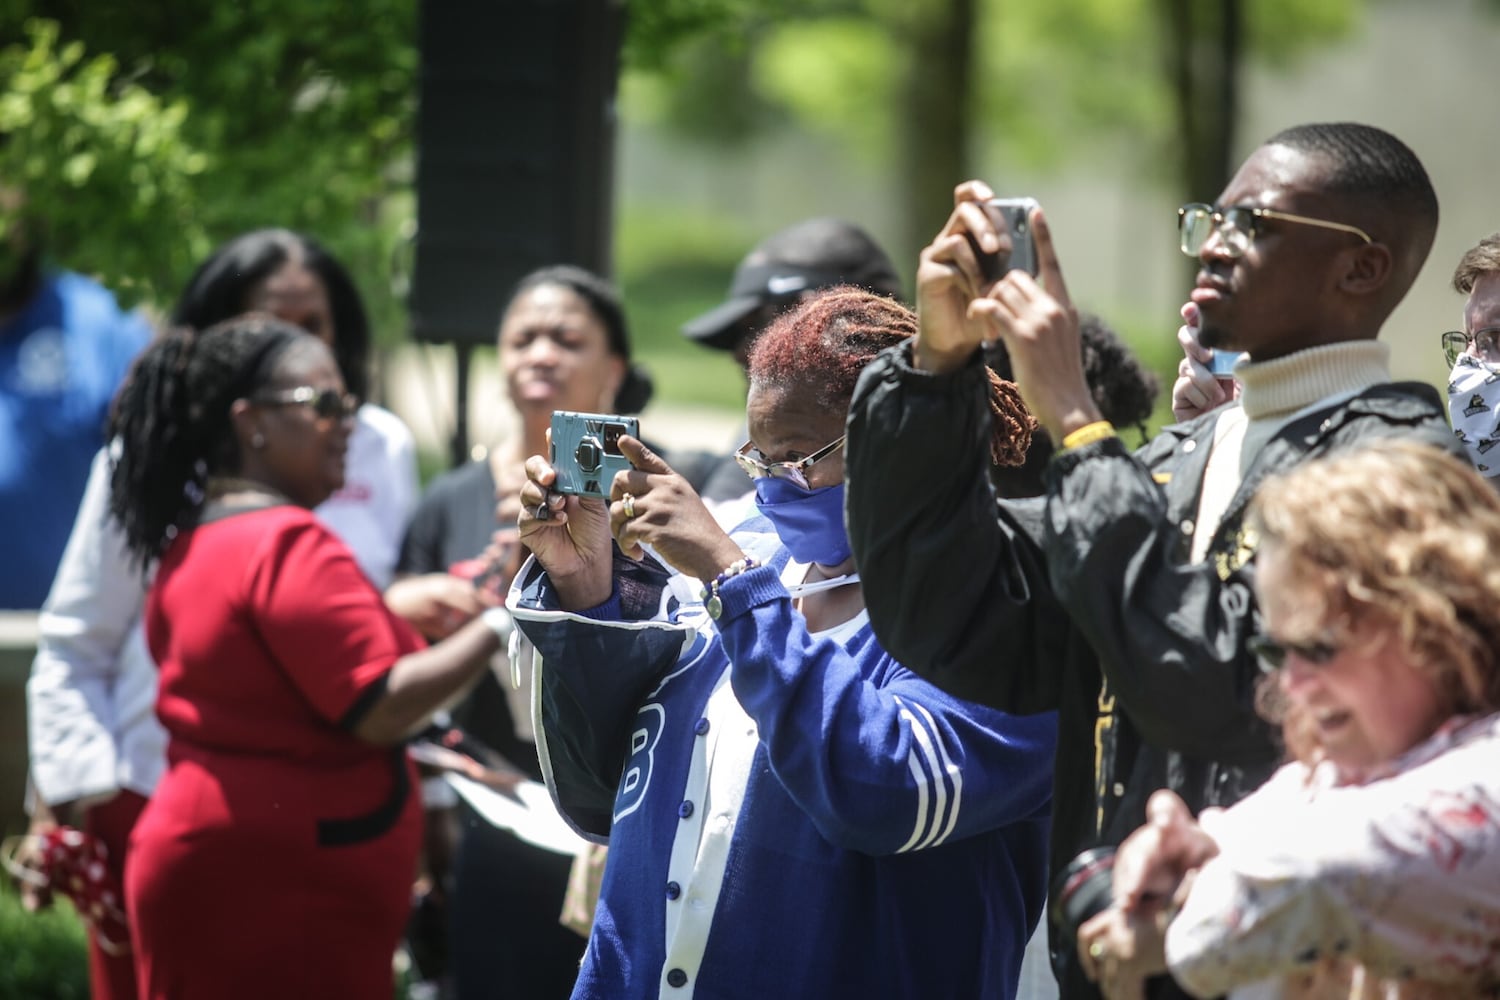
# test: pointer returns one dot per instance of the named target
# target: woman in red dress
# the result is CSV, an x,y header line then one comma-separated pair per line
x,y
277,854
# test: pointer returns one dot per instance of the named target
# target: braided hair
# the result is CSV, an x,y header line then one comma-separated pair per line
x,y
826,342
171,422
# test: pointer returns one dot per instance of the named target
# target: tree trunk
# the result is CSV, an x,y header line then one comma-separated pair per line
x,y
935,116
1205,42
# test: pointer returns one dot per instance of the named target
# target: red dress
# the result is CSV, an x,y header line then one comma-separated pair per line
x,y
276,856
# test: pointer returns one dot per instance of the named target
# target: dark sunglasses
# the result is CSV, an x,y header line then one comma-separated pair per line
x,y
1272,653
328,404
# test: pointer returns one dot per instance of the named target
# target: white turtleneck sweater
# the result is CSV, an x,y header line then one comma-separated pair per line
x,y
1271,394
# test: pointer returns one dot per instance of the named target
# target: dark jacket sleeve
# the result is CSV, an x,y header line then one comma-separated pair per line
x,y
593,671
422,546
954,582
1170,634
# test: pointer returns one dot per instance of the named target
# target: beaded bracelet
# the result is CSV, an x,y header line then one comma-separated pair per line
x,y
711,592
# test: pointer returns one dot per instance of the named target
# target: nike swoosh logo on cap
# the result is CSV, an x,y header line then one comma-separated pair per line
x,y
789,283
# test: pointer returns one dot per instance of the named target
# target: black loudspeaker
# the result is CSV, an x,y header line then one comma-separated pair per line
x,y
515,143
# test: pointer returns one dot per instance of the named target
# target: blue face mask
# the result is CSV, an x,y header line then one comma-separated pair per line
x,y
810,523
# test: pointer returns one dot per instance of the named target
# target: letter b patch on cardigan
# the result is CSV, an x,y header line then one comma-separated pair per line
x,y
644,735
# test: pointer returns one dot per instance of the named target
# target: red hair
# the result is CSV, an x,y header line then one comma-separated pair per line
x,y
825,342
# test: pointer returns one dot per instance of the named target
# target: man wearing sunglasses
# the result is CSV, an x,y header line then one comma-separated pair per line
x,y
1125,601
1473,355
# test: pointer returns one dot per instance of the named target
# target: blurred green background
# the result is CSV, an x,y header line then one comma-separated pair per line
x,y
142,135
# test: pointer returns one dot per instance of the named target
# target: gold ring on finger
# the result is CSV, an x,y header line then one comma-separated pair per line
x,y
628,502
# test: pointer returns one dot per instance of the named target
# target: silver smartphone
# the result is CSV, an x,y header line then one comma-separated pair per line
x,y
1016,212
1223,362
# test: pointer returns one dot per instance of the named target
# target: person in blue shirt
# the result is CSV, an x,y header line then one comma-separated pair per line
x,y
65,346
789,811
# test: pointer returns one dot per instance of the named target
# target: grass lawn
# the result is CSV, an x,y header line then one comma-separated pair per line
x,y
43,956
669,273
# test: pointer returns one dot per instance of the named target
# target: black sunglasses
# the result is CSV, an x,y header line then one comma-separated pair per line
x,y
1272,653
1485,345
328,404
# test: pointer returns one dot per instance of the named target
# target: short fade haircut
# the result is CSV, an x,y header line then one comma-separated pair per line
x,y
1480,259
1373,166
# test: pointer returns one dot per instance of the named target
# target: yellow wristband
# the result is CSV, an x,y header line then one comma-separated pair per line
x,y
1088,434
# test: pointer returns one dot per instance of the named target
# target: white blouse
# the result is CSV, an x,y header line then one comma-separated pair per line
x,y
1390,887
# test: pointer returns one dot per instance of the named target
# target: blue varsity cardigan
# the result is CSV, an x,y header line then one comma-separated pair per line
x,y
891,841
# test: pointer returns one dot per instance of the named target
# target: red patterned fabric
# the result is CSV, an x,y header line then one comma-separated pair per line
x,y
75,864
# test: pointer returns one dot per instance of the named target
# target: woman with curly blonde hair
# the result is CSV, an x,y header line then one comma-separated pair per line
x,y
1370,864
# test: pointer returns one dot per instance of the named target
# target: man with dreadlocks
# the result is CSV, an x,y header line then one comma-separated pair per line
x,y
790,812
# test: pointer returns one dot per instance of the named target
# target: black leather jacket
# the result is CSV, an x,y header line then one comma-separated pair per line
x,y
1084,602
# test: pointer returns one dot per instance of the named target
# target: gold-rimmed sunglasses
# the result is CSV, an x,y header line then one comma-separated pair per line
x,y
1236,226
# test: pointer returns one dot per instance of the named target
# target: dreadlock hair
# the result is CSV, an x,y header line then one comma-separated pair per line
x,y
826,341
171,422
1123,389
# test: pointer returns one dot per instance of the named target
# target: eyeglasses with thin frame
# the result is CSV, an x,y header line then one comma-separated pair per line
x,y
1237,226
328,404
796,471
1273,652
1484,345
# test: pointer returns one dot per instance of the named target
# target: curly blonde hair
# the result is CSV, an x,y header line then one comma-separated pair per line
x,y
1401,533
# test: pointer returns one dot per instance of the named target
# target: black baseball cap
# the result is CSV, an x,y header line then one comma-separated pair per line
x,y
816,253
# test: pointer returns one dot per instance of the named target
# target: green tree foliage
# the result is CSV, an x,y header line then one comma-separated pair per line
x,y
101,168
289,113
933,86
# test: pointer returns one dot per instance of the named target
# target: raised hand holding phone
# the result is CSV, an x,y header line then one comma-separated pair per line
x,y
1036,319
950,276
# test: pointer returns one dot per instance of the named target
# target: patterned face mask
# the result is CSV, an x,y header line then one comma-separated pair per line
x,y
1474,409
